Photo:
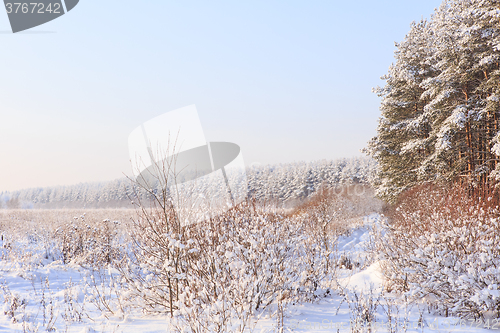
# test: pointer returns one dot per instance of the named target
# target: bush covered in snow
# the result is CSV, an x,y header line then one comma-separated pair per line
x,y
220,275
442,244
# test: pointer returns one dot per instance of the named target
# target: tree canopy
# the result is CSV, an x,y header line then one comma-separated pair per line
x,y
441,101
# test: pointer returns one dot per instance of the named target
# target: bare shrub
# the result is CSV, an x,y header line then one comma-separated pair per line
x,y
396,313
93,244
363,308
73,310
13,304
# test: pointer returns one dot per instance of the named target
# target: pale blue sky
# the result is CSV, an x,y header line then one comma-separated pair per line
x,y
286,80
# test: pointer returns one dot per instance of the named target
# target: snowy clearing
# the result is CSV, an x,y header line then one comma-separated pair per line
x,y
59,297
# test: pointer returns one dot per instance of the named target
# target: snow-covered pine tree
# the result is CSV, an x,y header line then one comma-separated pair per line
x,y
440,103
462,127
402,143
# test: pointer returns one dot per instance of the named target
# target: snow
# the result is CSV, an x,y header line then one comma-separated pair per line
x,y
363,281
50,284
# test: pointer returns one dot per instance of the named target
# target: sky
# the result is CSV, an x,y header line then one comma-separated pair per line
x,y
285,80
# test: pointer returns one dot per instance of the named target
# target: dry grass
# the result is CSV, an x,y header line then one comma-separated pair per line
x,y
85,237
52,218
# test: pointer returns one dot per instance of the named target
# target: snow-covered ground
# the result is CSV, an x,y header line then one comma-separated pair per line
x,y
57,297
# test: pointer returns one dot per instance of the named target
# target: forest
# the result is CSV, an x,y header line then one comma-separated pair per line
x,y
284,182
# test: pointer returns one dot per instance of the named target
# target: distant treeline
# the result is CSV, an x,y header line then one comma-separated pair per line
x,y
283,182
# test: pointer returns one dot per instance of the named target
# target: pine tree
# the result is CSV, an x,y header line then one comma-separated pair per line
x,y
440,103
402,140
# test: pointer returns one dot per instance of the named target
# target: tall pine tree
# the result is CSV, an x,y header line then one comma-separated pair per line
x,y
440,104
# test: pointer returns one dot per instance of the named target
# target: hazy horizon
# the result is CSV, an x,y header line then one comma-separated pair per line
x,y
285,81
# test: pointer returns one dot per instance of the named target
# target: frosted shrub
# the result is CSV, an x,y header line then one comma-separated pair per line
x,y
363,307
12,304
215,275
441,244
223,273
90,243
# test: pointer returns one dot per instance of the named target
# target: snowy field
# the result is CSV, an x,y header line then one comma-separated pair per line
x,y
48,286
